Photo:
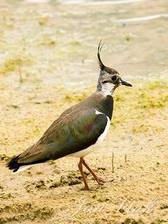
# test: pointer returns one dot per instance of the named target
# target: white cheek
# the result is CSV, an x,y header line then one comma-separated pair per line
x,y
107,88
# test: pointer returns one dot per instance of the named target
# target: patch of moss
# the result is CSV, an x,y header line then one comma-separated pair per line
x,y
149,100
4,157
75,43
159,221
13,63
43,20
142,128
156,85
71,179
75,97
73,47
132,221
24,211
47,41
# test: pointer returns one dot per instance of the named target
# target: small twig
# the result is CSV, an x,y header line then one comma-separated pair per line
x,y
125,158
112,162
20,74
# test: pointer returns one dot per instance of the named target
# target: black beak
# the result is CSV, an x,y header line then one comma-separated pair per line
x,y
125,83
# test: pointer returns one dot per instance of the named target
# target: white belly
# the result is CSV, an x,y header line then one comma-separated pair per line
x,y
92,148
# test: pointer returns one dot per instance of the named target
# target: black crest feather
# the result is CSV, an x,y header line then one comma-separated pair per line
x,y
100,45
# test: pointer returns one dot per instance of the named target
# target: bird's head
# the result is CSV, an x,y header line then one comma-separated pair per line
x,y
109,78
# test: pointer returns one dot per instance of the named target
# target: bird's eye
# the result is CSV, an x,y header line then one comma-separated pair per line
x,y
114,78
105,81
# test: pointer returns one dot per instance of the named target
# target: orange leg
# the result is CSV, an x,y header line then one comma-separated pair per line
x,y
97,179
86,187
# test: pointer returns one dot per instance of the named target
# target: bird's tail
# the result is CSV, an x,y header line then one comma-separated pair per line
x,y
13,164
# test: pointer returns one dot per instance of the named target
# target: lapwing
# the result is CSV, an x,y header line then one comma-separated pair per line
x,y
78,128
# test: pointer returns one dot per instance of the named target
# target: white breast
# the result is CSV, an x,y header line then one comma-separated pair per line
x,y
103,135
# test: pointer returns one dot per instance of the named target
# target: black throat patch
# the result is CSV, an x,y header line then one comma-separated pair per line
x,y
106,106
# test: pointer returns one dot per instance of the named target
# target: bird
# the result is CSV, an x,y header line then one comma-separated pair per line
x,y
77,129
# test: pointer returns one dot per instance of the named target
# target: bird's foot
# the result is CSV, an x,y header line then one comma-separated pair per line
x,y
86,188
100,181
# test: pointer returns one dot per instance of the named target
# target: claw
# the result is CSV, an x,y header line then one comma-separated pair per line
x,y
100,181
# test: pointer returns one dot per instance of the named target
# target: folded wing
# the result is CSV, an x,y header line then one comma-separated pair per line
x,y
70,133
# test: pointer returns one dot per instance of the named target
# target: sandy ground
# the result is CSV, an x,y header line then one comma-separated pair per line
x,y
47,63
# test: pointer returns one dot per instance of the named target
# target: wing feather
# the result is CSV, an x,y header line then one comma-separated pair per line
x,y
70,133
